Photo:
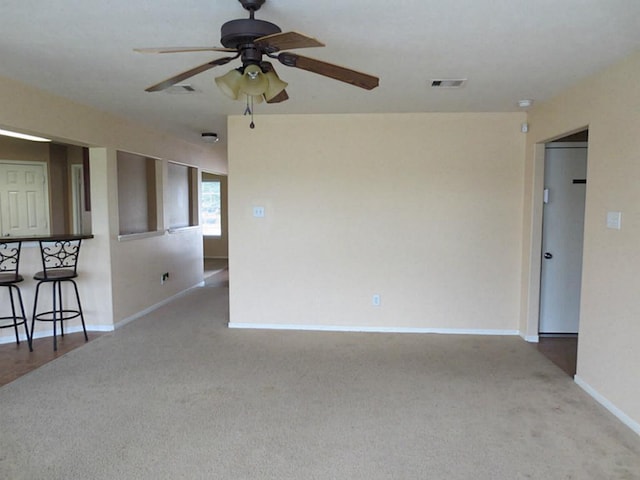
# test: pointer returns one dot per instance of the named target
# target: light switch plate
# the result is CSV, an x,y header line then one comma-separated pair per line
x,y
258,212
614,220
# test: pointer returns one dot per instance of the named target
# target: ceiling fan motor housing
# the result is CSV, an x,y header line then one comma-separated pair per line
x,y
252,5
245,30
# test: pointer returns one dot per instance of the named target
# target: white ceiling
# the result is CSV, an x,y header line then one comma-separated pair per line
x,y
507,49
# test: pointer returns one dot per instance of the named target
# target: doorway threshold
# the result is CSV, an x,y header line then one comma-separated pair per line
x,y
561,349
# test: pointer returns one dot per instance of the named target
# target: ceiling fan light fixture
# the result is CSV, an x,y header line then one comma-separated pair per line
x,y
275,87
253,81
229,83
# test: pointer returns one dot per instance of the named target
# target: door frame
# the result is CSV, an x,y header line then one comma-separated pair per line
x,y
532,306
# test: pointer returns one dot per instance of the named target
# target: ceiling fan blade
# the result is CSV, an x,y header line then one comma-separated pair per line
x,y
343,74
287,41
183,49
188,74
281,97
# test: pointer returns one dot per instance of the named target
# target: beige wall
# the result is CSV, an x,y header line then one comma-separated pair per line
x,y
608,358
33,111
106,264
14,149
423,209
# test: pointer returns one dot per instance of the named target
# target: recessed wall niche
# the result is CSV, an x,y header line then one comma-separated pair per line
x,y
137,204
181,199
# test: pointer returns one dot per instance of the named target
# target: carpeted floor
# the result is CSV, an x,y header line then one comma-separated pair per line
x,y
177,395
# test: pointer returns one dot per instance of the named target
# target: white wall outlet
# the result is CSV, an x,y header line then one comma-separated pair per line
x,y
375,300
258,212
614,220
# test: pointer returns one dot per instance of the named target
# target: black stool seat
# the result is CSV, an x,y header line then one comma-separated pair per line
x,y
59,265
55,275
9,277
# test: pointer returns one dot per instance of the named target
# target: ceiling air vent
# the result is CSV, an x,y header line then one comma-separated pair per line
x,y
181,88
448,82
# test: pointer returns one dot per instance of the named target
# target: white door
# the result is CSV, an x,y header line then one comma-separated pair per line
x,y
565,174
24,199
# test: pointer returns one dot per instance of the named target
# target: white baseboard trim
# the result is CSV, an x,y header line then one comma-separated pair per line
x,y
12,339
623,417
532,338
153,307
341,328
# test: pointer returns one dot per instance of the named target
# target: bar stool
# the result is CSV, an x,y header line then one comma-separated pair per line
x,y
59,265
9,277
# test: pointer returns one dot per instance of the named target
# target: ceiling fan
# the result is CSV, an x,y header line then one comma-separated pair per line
x,y
251,40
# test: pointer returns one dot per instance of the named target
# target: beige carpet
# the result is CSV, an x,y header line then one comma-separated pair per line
x,y
176,395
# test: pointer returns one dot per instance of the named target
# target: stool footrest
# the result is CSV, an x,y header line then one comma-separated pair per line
x,y
60,315
18,321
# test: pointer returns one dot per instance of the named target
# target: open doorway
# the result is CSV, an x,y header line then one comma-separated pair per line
x,y
40,193
214,222
565,182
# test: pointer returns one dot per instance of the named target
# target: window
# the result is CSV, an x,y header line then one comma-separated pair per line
x,y
210,208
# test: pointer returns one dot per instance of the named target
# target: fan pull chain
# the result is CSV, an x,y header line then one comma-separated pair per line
x,y
249,110
252,125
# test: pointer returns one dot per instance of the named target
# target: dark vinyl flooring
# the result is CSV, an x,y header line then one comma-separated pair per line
x,y
561,350
17,360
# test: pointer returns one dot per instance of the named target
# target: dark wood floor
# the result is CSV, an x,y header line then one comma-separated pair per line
x,y
563,351
17,360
